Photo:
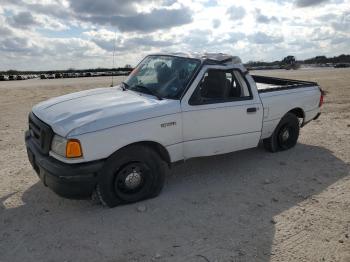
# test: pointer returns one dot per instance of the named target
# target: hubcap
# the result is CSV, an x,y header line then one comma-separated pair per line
x,y
133,180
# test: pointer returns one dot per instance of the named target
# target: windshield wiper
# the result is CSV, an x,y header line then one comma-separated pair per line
x,y
125,86
148,91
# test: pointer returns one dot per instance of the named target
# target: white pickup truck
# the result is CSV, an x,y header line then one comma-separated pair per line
x,y
115,141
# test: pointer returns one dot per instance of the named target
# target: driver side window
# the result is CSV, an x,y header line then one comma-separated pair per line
x,y
219,86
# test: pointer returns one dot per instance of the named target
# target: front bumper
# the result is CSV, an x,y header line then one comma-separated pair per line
x,y
76,181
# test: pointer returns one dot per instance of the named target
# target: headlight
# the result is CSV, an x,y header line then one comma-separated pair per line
x,y
58,145
69,148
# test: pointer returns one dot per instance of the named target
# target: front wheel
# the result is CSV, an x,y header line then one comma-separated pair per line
x,y
285,135
132,174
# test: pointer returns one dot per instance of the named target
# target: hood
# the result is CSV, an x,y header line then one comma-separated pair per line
x,y
101,108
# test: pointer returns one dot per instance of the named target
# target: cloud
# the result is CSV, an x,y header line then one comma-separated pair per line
x,y
236,36
107,8
144,22
297,45
236,12
340,40
210,3
342,23
148,41
22,20
4,31
216,23
136,43
154,20
327,17
341,26
52,9
308,3
168,2
17,45
263,19
114,7
197,39
262,38
107,44
12,43
206,40
124,14
338,21
48,8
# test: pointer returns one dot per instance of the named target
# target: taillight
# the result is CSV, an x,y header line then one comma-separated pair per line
x,y
321,99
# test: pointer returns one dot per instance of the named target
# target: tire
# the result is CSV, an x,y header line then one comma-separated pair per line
x,y
285,135
132,174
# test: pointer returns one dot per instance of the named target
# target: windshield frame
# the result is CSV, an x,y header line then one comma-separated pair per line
x,y
190,79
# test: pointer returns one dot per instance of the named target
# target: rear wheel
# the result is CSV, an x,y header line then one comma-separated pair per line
x,y
130,175
285,135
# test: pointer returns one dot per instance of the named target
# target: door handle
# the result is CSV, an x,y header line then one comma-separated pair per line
x,y
251,110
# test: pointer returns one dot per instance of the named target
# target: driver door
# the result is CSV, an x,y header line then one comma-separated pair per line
x,y
220,114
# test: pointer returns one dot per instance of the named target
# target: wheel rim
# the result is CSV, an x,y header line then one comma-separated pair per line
x,y
130,178
132,181
286,137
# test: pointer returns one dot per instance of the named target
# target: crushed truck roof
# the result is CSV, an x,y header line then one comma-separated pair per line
x,y
208,58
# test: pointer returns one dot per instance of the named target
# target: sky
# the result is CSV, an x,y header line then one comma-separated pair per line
x,y
62,34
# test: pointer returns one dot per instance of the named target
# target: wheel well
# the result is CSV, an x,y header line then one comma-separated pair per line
x,y
160,149
298,112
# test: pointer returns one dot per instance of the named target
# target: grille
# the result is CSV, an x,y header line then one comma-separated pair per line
x,y
41,133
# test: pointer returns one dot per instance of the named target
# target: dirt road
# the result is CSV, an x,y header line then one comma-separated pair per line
x,y
245,206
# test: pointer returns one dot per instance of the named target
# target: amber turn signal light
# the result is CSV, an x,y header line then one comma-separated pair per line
x,y
73,149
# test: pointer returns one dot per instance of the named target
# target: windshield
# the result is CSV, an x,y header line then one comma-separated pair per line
x,y
162,76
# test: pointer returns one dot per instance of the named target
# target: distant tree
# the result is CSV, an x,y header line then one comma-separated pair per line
x,y
341,59
321,59
289,60
12,72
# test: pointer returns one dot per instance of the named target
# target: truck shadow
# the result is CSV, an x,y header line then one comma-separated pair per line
x,y
223,208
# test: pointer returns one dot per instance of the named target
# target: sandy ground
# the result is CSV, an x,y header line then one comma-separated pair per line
x,y
244,206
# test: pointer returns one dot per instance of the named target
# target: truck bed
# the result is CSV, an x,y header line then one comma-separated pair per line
x,y
270,84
